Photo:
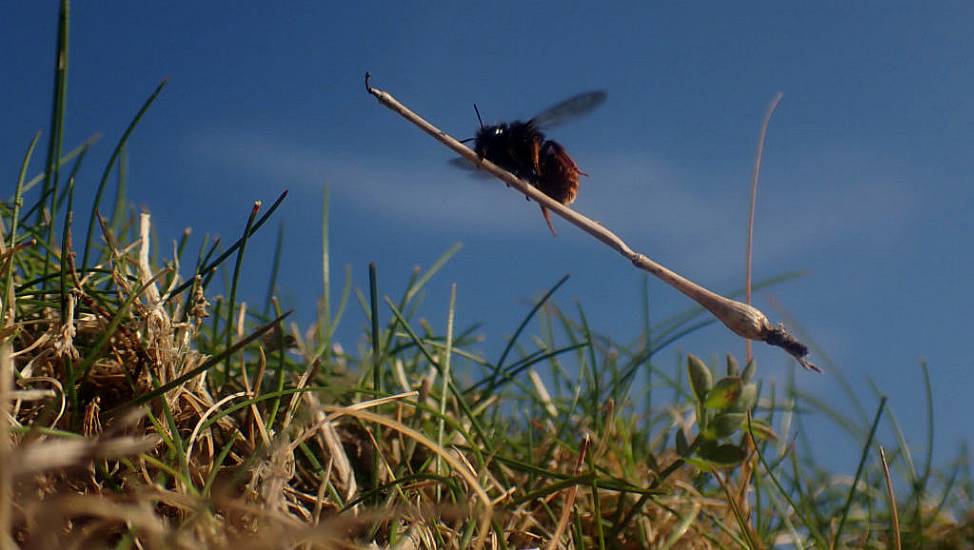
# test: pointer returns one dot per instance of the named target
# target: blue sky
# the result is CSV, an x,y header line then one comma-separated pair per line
x,y
866,183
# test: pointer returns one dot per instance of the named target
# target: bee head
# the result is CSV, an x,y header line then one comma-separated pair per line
x,y
490,139
484,134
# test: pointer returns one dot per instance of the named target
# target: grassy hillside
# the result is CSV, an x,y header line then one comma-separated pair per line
x,y
145,408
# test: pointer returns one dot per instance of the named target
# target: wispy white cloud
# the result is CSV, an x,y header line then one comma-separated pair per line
x,y
417,193
681,216
702,226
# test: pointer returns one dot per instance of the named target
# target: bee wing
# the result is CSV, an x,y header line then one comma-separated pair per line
x,y
469,167
570,109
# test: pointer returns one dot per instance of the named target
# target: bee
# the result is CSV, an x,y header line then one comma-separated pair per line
x,y
521,148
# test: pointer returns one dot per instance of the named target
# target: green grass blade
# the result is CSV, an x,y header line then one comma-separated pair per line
x,y
376,365
446,374
108,169
811,525
15,216
232,303
525,321
118,211
920,487
491,384
461,401
342,301
859,471
376,335
278,372
66,249
275,270
209,266
433,270
324,316
66,267
928,398
647,346
68,157
595,395
60,99
73,174
902,446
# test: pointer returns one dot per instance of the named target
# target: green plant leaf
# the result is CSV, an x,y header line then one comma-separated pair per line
x,y
747,399
762,430
748,373
726,424
723,456
725,393
682,445
700,378
733,368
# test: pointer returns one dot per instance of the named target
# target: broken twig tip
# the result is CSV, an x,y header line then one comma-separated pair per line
x,y
780,337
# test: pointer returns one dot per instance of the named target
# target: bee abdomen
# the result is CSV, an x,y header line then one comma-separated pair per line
x,y
559,173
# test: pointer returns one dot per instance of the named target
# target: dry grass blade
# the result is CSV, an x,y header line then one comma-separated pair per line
x,y
6,456
66,453
331,533
742,319
457,466
747,468
6,381
51,516
894,514
146,276
215,408
32,395
337,412
755,175
566,510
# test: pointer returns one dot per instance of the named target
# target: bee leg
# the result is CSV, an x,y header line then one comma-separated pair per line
x,y
547,219
536,156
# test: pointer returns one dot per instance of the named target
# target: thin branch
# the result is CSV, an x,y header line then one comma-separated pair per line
x,y
742,319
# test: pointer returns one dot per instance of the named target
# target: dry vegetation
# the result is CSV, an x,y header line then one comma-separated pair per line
x,y
144,409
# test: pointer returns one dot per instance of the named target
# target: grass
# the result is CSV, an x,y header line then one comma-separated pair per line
x,y
144,409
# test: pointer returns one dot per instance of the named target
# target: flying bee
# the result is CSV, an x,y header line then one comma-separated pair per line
x,y
522,149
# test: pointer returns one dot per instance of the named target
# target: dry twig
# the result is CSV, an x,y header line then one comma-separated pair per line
x,y
744,320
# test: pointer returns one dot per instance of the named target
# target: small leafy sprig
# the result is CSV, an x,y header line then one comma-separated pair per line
x,y
722,408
